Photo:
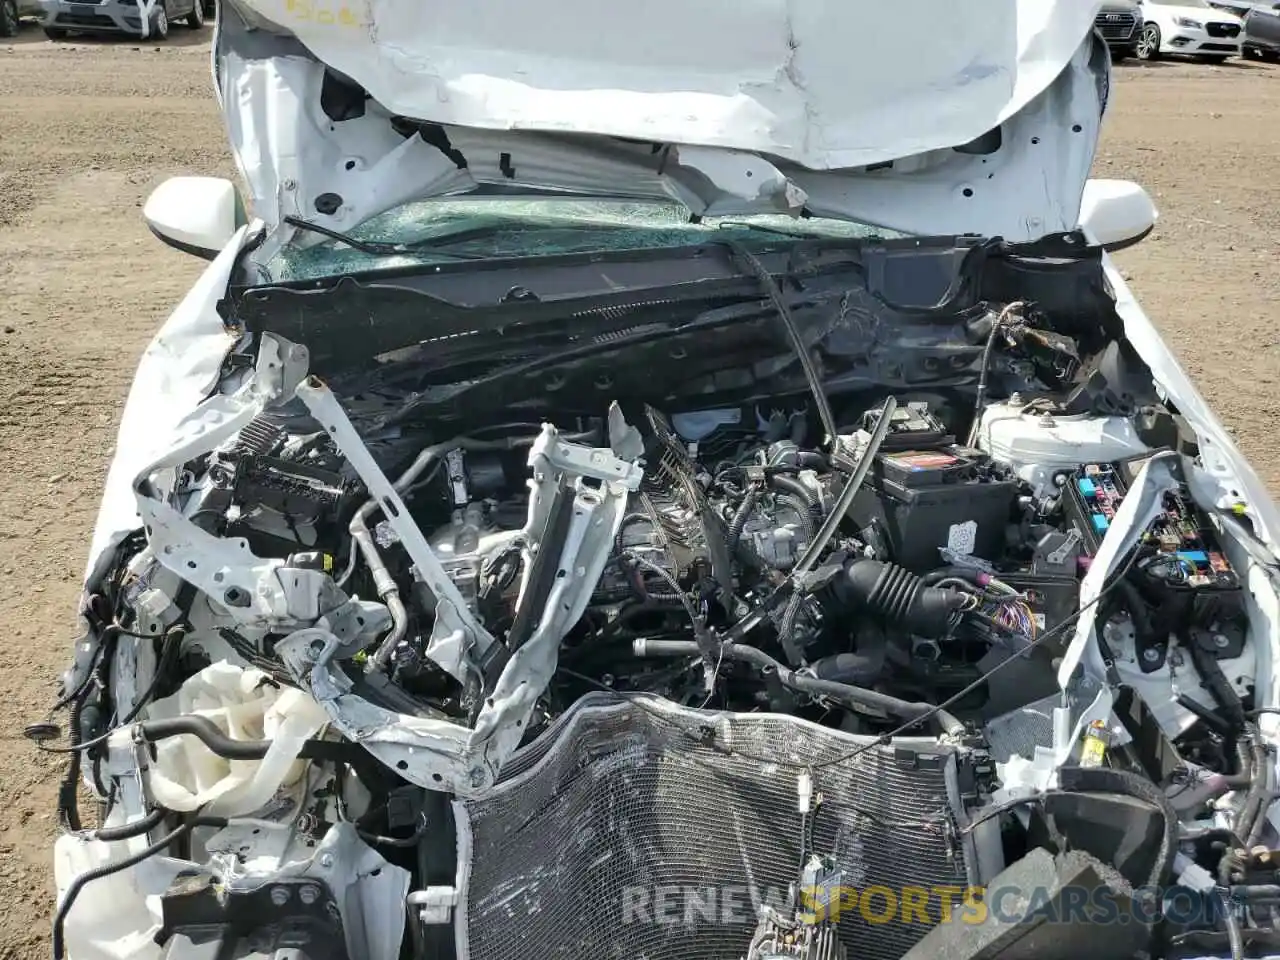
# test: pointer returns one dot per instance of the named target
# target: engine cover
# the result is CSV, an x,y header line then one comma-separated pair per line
x,y
644,829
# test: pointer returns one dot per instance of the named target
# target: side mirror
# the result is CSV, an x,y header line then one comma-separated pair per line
x,y
1116,213
197,215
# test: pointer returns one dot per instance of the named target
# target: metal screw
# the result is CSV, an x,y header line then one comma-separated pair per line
x,y
326,860
279,896
309,894
1220,641
1151,654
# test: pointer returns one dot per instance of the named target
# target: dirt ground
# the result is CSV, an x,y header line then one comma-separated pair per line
x,y
87,128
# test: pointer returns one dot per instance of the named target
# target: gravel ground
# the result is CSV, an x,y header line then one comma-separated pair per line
x,y
87,128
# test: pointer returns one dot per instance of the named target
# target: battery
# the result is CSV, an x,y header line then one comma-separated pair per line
x,y
915,503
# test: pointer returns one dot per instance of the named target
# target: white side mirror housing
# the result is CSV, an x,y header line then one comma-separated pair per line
x,y
197,215
1116,213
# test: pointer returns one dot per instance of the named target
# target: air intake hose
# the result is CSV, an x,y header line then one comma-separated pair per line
x,y
898,596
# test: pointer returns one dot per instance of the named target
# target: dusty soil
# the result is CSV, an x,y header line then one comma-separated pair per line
x,y
87,128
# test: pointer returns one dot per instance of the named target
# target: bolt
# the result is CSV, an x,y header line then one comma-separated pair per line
x,y
1220,641
1151,654
326,860
309,894
478,777
290,184
279,896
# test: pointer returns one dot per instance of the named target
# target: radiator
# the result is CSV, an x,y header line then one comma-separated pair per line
x,y
640,830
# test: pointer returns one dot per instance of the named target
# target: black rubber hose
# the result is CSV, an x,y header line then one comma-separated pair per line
x,y
857,668
784,484
842,692
217,741
80,882
899,596
135,829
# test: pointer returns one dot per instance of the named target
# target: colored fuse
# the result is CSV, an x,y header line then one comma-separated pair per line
x,y
1100,523
1193,556
1093,751
1086,486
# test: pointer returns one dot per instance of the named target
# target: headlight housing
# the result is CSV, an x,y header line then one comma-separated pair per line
x,y
1188,23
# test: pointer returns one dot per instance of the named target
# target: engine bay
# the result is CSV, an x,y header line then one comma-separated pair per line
x,y
404,629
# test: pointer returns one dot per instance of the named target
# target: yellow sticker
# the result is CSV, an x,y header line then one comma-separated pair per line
x,y
1093,751
324,13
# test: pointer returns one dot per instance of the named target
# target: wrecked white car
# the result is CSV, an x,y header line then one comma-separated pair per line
x,y
700,493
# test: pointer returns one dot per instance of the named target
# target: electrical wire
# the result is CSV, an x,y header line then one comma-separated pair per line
x,y
173,642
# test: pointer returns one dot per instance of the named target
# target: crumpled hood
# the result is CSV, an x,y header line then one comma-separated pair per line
x,y
846,110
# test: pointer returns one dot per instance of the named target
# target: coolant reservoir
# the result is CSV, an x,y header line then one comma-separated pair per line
x,y
1038,444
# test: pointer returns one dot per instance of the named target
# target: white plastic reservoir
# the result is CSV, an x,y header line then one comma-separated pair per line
x,y
1038,444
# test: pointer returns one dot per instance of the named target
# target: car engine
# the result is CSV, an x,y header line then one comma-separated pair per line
x,y
670,679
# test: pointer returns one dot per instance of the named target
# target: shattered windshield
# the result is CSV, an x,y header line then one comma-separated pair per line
x,y
467,228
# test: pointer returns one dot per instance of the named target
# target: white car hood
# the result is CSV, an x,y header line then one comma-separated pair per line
x,y
773,106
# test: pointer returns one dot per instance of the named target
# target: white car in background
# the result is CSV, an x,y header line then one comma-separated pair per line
x,y
1192,27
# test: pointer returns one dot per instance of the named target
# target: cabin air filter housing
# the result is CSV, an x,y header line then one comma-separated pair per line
x,y
639,828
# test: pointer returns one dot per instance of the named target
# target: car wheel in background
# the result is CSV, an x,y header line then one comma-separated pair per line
x,y
161,26
8,18
195,19
1149,43
55,33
